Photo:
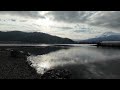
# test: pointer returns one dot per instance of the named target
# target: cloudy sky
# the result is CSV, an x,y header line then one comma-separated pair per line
x,y
69,24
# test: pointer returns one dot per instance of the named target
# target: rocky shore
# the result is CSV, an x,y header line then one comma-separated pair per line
x,y
14,65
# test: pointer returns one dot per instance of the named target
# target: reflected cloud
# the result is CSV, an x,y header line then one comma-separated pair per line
x,y
72,56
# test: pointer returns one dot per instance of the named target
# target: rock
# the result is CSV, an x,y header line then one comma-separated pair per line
x,y
26,53
15,53
19,54
57,74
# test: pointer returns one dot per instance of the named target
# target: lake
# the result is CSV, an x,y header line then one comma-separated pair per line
x,y
83,61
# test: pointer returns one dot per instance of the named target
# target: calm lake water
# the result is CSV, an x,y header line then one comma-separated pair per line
x,y
84,61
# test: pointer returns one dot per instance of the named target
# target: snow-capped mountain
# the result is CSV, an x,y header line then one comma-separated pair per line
x,y
107,36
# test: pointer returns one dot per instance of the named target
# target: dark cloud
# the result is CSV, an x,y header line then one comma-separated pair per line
x,y
13,20
31,14
109,19
23,20
70,16
65,27
61,27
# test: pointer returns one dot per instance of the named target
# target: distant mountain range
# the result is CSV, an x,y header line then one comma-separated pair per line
x,y
32,37
107,36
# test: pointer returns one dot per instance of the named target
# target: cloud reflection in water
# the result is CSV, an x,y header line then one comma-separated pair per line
x,y
74,55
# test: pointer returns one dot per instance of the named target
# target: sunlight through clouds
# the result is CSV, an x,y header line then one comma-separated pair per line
x,y
68,24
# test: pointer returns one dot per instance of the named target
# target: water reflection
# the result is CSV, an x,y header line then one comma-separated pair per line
x,y
74,57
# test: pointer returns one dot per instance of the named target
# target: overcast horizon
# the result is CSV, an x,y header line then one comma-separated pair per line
x,y
68,24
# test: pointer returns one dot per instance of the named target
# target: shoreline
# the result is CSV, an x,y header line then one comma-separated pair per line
x,y
14,65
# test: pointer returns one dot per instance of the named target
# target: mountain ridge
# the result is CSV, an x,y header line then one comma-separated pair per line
x,y
107,36
32,37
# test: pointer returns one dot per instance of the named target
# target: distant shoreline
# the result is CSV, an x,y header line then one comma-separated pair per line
x,y
34,45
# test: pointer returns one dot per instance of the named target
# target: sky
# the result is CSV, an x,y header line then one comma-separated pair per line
x,y
76,25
